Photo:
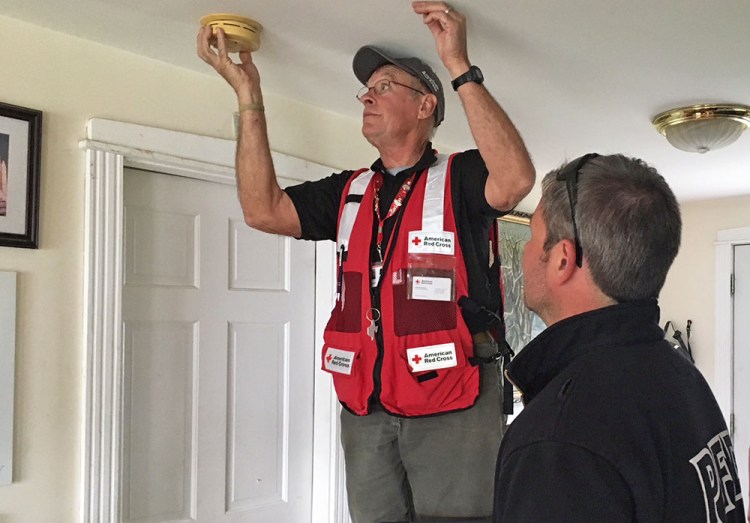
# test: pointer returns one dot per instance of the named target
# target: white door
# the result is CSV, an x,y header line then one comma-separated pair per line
x,y
741,367
218,327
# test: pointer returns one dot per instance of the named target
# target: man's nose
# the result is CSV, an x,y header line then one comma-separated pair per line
x,y
367,98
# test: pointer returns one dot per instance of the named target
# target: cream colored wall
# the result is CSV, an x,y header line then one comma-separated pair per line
x,y
71,80
690,287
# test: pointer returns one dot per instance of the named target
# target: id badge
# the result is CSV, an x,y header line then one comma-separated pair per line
x,y
434,288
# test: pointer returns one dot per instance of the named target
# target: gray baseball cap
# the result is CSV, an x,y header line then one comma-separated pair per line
x,y
369,58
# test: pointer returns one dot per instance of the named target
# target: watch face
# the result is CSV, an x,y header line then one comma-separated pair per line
x,y
474,74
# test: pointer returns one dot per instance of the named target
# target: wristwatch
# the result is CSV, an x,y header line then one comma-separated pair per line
x,y
474,74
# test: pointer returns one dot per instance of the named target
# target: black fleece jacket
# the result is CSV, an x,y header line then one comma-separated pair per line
x,y
617,427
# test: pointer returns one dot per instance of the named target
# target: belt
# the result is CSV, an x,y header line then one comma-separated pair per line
x,y
482,337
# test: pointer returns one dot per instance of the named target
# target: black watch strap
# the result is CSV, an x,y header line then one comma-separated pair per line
x,y
474,74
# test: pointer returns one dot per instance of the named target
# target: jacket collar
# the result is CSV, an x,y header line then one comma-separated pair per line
x,y
610,328
427,160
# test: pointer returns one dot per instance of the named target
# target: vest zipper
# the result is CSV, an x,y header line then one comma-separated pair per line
x,y
375,296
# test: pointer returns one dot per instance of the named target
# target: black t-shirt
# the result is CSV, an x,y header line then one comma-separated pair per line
x,y
317,205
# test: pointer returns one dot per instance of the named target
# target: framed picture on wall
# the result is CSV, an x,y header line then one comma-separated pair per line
x,y
20,161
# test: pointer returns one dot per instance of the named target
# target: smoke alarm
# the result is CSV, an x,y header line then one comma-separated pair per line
x,y
243,34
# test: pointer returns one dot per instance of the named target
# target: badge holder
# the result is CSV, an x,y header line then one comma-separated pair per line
x,y
431,277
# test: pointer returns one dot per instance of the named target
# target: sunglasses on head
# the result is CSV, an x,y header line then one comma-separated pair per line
x,y
569,174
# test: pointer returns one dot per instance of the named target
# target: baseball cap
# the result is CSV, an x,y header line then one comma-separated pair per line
x,y
369,58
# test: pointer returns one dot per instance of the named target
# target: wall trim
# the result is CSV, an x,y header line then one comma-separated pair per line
x,y
723,339
111,146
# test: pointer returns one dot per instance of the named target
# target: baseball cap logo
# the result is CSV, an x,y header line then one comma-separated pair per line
x,y
434,87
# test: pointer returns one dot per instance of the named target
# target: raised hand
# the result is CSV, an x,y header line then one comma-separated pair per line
x,y
448,27
243,77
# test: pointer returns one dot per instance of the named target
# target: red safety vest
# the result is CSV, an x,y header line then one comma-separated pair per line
x,y
426,344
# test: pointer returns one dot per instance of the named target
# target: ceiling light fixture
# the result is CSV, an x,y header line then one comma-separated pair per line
x,y
703,128
243,34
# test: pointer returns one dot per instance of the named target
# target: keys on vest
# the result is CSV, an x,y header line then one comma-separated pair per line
x,y
373,315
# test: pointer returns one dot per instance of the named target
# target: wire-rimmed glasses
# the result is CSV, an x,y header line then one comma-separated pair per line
x,y
381,87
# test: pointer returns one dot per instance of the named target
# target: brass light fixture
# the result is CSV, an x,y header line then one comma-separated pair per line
x,y
703,128
243,34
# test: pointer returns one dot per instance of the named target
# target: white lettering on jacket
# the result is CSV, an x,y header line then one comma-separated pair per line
x,y
717,473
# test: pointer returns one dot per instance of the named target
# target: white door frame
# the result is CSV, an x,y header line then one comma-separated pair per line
x,y
723,325
110,147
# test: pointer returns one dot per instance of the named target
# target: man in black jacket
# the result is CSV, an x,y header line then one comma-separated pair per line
x,y
617,426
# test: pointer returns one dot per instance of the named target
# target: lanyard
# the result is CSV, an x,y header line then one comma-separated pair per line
x,y
395,206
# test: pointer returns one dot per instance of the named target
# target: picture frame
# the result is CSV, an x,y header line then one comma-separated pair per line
x,y
20,166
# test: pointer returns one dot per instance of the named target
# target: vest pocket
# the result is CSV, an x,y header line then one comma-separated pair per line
x,y
350,365
347,313
421,316
422,386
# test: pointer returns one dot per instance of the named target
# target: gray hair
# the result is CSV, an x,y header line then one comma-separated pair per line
x,y
628,222
435,123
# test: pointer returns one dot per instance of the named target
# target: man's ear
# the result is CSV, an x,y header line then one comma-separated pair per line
x,y
428,107
564,261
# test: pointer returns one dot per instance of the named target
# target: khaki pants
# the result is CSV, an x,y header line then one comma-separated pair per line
x,y
412,469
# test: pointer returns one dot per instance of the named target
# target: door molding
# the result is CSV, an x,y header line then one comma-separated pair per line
x,y
723,324
110,146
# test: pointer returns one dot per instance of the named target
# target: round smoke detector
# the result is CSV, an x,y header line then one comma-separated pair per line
x,y
243,34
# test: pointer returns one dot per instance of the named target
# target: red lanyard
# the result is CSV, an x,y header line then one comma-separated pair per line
x,y
395,206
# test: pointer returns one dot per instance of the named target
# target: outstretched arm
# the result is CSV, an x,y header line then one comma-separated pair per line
x,y
265,206
511,173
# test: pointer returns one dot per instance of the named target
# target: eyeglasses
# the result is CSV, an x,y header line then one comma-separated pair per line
x,y
570,176
381,87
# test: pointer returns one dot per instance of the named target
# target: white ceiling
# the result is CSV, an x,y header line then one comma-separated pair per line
x,y
575,75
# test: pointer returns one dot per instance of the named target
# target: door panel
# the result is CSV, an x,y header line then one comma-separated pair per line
x,y
160,377
219,351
